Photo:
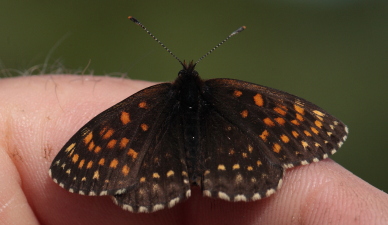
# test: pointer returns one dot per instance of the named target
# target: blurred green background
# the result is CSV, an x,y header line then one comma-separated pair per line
x,y
331,52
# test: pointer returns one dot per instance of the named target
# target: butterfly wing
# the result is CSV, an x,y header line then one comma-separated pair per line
x,y
163,180
250,133
235,168
106,156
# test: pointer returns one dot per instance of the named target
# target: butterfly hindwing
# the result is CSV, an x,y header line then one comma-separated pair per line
x,y
163,177
288,130
104,157
235,168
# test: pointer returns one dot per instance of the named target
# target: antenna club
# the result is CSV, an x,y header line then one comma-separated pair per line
x,y
240,29
133,19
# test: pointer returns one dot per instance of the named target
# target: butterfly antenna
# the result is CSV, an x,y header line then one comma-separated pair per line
x,y
157,40
230,35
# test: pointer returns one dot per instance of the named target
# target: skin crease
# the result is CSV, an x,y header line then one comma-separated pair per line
x,y
38,114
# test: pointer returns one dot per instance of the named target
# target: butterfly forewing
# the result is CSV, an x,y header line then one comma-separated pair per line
x,y
105,156
288,130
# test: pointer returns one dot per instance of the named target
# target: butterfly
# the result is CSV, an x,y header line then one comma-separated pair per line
x,y
232,138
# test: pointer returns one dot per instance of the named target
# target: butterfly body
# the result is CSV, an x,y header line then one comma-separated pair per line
x,y
187,90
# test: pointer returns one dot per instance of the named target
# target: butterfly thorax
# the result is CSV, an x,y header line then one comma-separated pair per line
x,y
188,88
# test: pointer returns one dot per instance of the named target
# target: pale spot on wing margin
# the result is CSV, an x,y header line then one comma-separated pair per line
x,y
143,209
223,195
239,198
207,193
188,193
173,202
256,196
127,207
270,192
157,207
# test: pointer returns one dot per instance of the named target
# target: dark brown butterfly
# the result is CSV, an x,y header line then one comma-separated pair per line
x,y
232,138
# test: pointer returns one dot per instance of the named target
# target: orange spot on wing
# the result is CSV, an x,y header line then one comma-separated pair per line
x,y
88,138
143,105
114,163
97,149
170,173
221,167
284,138
144,127
280,120
268,122
299,109
81,163
249,168
280,111
96,175
295,122
259,163
264,135
125,170
132,153
250,148
319,113
244,114
315,131
276,148
111,143
102,131
295,134
108,134
123,142
70,148
75,158
318,123
125,118
307,133
258,100
299,117
90,164
237,93
91,146
304,144
101,162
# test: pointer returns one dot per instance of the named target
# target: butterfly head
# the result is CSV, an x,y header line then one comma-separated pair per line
x,y
188,69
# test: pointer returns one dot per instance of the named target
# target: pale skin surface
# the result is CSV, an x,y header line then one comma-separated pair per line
x,y
38,114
